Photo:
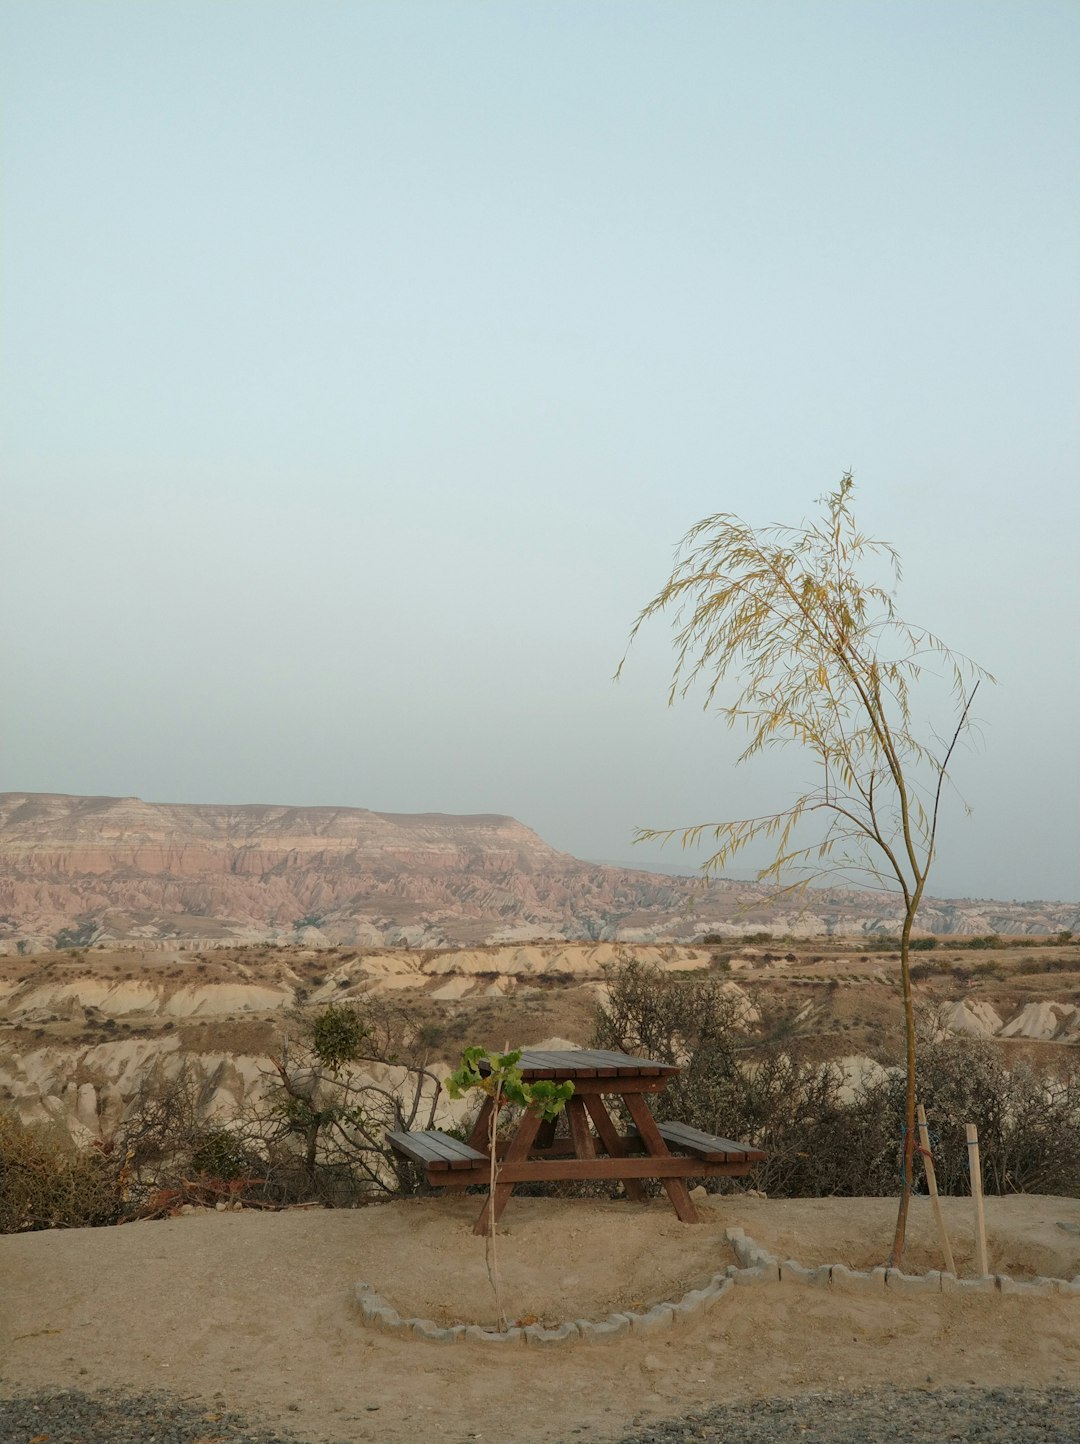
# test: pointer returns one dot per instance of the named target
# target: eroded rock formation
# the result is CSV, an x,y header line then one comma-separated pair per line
x,y
76,871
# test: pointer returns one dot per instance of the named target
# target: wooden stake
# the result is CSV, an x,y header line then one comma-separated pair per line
x,y
931,1183
975,1167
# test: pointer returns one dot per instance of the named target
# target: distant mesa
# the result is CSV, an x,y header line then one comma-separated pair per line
x,y
79,871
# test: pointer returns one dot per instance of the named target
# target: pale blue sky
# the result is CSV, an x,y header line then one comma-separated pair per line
x,y
362,363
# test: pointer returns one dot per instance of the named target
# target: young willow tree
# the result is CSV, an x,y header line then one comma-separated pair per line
x,y
824,662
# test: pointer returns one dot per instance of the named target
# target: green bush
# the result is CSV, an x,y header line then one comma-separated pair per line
x,y
338,1034
218,1153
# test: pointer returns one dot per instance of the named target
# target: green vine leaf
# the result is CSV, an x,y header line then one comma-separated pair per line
x,y
498,1075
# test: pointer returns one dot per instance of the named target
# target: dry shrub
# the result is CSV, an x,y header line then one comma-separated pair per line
x,y
46,1182
824,1138
170,1149
324,1123
1028,1120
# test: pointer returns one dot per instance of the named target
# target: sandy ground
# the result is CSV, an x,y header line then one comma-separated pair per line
x,y
253,1311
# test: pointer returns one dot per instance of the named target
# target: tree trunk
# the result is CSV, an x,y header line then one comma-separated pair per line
x,y
909,1100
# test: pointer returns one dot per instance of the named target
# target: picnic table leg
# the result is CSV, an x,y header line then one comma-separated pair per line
x,y
584,1147
654,1144
615,1145
479,1137
518,1151
545,1134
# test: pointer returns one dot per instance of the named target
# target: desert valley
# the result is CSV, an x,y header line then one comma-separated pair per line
x,y
150,950
141,939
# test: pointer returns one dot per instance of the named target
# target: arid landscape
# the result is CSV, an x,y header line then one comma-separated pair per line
x,y
256,1311
138,993
82,871
539,527
83,1031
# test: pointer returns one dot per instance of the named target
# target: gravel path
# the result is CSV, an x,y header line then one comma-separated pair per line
x,y
108,1416
1019,1416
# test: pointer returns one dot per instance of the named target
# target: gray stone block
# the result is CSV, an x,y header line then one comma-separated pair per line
x,y
749,1254
1056,1286
795,1273
388,1319
759,1275
1040,1288
742,1249
602,1331
689,1308
855,1281
474,1334
950,1284
427,1329
536,1336
369,1306
653,1321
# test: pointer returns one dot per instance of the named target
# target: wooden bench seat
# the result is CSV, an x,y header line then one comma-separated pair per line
x,y
707,1146
437,1151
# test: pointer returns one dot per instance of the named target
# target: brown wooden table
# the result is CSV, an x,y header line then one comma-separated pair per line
x,y
585,1142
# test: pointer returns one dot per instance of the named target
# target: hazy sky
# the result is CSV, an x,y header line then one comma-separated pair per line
x,y
363,363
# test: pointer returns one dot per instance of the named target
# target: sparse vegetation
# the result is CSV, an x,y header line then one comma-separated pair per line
x,y
46,1182
826,1136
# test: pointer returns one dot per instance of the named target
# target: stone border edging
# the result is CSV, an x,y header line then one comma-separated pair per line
x,y
759,1266
756,1266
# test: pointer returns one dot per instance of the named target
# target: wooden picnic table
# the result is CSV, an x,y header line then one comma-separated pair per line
x,y
591,1145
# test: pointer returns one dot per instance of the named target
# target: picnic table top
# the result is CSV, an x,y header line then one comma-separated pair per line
x,y
571,1063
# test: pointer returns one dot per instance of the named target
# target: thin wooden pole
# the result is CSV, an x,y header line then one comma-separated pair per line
x,y
975,1167
931,1183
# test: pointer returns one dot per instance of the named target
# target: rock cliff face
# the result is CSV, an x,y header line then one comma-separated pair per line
x,y
82,870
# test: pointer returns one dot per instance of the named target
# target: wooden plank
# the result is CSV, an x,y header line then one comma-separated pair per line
x,y
516,1156
457,1153
545,1134
705,1145
680,1135
407,1149
589,1062
553,1065
434,1149
584,1147
601,1064
622,1060
614,1143
481,1129
550,1058
555,1170
541,1058
452,1153
708,1144
637,1083
674,1184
